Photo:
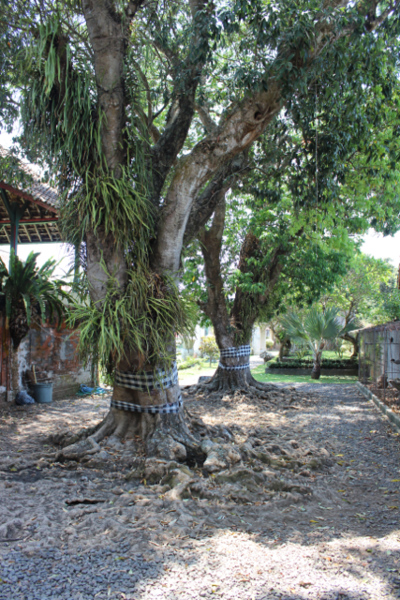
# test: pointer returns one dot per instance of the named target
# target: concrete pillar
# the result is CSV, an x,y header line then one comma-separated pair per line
x,y
263,328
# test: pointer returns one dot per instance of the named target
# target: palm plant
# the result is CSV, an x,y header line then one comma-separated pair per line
x,y
314,330
28,292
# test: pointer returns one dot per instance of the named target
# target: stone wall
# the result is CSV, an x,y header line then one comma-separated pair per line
x,y
53,352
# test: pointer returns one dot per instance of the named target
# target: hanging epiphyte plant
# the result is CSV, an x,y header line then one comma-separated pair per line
x,y
143,321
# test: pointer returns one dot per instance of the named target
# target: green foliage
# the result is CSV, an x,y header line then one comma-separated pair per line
x,y
390,296
269,344
359,293
143,320
62,126
28,292
301,351
307,363
315,328
189,362
208,347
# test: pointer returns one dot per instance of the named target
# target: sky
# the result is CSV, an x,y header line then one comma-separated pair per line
x,y
374,243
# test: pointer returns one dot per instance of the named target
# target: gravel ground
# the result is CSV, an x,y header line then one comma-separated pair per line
x,y
76,532
390,396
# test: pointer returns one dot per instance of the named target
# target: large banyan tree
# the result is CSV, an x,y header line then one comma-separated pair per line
x,y
139,111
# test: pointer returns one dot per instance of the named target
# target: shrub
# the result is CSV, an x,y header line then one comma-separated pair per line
x,y
191,361
269,344
345,363
208,347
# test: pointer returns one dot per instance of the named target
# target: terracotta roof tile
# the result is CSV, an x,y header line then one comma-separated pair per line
x,y
36,189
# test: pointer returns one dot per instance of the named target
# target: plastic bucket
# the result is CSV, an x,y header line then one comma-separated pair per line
x,y
43,392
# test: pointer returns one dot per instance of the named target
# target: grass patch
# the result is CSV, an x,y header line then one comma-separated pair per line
x,y
198,370
260,375
328,354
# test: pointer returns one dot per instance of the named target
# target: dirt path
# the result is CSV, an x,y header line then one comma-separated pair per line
x,y
328,531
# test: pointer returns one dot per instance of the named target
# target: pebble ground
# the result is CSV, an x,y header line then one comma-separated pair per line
x,y
342,543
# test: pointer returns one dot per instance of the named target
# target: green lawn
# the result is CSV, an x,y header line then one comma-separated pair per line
x,y
199,370
327,354
260,374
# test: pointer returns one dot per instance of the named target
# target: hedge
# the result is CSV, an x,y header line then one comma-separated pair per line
x,y
345,363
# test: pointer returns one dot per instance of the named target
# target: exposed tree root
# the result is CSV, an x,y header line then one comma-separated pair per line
x,y
170,437
240,473
232,382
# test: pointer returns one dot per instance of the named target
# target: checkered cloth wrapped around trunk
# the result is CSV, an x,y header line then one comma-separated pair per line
x,y
146,382
234,367
234,353
160,409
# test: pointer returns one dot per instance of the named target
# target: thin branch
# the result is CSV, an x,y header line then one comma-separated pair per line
x,y
209,124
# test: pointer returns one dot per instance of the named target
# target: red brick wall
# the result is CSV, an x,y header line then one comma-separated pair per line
x,y
54,354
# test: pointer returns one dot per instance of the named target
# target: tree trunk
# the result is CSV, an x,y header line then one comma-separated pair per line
x,y
15,379
316,371
263,329
233,372
354,341
144,413
284,348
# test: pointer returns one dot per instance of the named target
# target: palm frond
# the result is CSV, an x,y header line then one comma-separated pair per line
x,y
29,291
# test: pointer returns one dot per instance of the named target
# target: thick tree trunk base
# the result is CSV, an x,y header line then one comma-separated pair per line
x,y
172,437
165,436
316,372
229,382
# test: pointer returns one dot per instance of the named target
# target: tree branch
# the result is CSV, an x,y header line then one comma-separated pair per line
x,y
209,125
180,115
132,8
215,307
206,202
241,125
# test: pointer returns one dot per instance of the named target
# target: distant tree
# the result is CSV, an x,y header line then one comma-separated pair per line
x,y
358,294
209,348
315,329
390,295
29,294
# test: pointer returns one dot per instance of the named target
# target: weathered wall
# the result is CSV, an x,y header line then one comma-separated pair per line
x,y
53,352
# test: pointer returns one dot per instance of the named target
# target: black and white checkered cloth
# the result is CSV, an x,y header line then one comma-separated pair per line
x,y
234,367
235,352
146,382
160,409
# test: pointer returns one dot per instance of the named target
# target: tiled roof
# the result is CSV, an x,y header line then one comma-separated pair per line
x,y
38,191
